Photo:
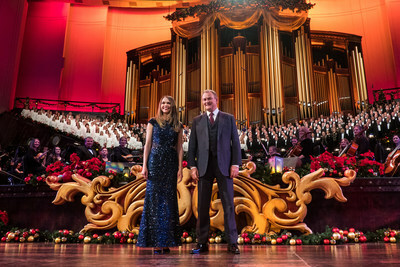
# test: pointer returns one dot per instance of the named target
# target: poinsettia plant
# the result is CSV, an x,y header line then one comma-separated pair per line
x,y
367,167
3,217
334,166
88,169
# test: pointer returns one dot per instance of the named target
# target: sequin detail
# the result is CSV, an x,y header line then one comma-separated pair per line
x,y
159,226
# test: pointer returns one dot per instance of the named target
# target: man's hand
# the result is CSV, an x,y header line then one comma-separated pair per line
x,y
234,171
194,173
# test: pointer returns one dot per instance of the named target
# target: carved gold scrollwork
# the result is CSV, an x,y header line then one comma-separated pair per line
x,y
268,208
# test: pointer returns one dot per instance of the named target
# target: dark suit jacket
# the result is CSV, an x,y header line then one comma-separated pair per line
x,y
228,145
84,154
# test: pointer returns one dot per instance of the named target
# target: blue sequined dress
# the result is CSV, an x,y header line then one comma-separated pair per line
x,y
159,226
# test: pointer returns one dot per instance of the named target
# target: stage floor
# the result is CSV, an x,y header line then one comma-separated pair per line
x,y
49,254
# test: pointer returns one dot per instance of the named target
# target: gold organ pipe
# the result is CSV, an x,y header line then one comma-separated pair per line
x,y
300,75
127,88
361,75
306,74
271,73
363,78
263,84
356,78
306,71
310,77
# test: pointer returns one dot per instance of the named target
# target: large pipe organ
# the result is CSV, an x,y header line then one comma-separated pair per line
x,y
266,67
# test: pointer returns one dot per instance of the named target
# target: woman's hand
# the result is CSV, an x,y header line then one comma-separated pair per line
x,y
179,175
144,173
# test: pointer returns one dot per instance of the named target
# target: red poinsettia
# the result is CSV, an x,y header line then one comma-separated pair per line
x,y
4,217
332,165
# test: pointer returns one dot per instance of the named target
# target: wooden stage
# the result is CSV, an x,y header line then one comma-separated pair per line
x,y
50,254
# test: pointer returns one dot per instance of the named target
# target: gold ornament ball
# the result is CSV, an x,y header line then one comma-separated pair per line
x,y
134,241
211,240
273,241
129,241
289,234
357,234
292,242
336,236
57,240
31,238
240,240
87,239
183,240
351,235
11,236
392,239
189,239
63,239
218,239
22,239
333,242
356,239
268,238
341,232
36,235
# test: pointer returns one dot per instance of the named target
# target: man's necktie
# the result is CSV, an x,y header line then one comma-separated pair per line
x,y
211,118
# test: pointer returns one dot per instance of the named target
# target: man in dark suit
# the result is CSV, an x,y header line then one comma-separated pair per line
x,y
214,152
87,151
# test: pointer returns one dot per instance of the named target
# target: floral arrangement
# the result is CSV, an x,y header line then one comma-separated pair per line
x,y
226,5
3,217
367,167
89,169
336,166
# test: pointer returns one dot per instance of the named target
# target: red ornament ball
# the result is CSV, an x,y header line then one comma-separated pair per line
x,y
247,240
284,237
392,234
352,230
95,236
363,238
256,236
335,230
81,237
345,232
386,239
279,240
299,242
244,235
131,235
3,239
264,239
66,232
326,241
185,234
107,234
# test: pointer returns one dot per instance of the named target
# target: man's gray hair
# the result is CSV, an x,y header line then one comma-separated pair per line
x,y
212,92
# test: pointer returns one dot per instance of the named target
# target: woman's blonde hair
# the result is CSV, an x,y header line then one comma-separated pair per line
x,y
172,117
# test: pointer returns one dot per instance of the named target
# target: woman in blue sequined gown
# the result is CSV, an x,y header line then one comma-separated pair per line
x,y
162,167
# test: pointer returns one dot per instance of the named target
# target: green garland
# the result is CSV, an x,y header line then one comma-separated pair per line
x,y
331,236
226,5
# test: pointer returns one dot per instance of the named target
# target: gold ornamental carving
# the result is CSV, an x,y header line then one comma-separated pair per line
x,y
264,208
